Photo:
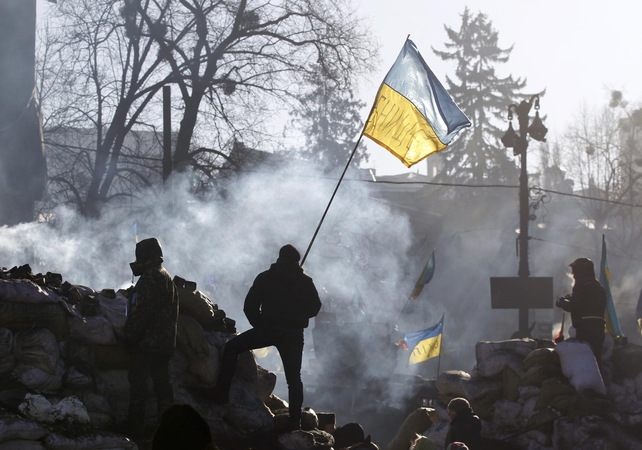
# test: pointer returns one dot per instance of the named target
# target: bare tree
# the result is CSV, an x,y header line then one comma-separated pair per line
x,y
236,65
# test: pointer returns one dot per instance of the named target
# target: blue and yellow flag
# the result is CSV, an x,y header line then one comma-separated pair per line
x,y
134,230
610,316
413,115
425,344
424,277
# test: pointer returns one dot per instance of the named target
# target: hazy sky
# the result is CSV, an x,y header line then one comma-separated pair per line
x,y
576,50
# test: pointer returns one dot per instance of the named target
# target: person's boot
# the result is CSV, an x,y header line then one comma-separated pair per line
x,y
136,419
294,423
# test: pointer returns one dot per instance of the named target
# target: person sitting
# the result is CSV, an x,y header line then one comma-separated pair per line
x,y
465,426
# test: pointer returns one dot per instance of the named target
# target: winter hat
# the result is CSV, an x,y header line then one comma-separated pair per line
x,y
423,443
459,405
583,267
457,446
289,253
149,250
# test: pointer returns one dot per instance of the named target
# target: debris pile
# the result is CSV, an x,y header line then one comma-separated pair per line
x,y
539,395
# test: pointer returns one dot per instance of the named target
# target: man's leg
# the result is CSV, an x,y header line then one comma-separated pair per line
x,y
159,371
290,347
246,341
137,377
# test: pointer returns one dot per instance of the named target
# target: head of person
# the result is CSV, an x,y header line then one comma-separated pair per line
x,y
457,446
182,428
458,405
289,254
148,253
582,268
349,434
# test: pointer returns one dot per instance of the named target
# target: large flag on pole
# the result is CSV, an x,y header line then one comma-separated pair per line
x,y
610,316
413,115
424,277
424,344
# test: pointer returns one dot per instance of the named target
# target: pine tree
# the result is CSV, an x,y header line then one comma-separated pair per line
x,y
477,155
330,119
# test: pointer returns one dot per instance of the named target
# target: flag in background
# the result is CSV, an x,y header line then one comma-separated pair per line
x,y
425,277
413,115
424,344
134,230
610,316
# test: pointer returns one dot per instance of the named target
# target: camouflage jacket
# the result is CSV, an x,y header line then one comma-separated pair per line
x,y
151,324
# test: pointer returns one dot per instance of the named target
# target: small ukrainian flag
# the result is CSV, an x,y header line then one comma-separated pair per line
x,y
425,344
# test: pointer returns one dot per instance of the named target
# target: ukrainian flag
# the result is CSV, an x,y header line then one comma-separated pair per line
x,y
610,316
425,344
425,277
413,115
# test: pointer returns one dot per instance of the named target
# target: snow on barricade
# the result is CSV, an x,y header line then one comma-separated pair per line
x,y
69,410
579,365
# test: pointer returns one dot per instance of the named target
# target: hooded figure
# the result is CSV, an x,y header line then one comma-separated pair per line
x,y
278,306
150,333
465,426
586,304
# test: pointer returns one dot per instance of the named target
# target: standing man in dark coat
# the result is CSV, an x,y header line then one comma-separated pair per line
x,y
465,426
150,333
586,305
278,306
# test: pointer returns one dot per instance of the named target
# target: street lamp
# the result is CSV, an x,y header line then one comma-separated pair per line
x,y
518,142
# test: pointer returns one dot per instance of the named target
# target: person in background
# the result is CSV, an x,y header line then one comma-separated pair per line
x,y
278,306
586,304
465,426
183,428
150,333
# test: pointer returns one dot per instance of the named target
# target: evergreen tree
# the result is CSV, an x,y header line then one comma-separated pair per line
x,y
477,155
330,119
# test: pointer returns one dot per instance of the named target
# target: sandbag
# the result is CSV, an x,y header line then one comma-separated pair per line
x,y
206,367
450,382
492,365
416,423
25,291
93,330
38,348
37,379
536,375
628,359
506,415
528,391
579,366
483,404
70,410
7,360
196,305
521,347
477,387
21,444
551,388
114,311
510,383
36,407
17,316
19,428
190,338
111,357
540,356
97,441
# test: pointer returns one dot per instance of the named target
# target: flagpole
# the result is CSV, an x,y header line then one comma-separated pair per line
x,y
441,343
345,169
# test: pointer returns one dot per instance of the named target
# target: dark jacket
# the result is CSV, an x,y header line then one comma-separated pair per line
x,y
151,324
466,428
587,302
283,296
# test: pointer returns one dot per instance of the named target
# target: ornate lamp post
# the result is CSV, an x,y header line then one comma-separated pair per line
x,y
519,143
